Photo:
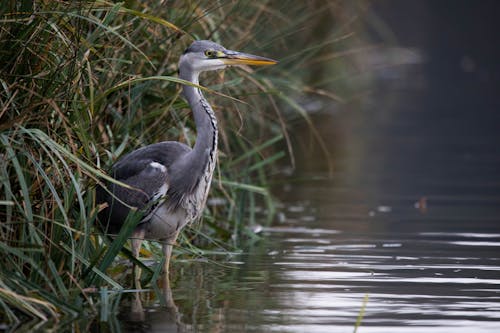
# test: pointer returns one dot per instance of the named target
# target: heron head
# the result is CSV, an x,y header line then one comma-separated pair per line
x,y
205,55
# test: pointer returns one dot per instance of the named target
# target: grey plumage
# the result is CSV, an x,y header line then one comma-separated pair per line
x,y
135,170
202,45
169,180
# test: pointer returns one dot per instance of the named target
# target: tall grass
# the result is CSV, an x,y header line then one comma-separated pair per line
x,y
82,83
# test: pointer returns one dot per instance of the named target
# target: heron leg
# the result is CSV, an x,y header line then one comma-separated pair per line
x,y
137,239
165,280
167,252
136,309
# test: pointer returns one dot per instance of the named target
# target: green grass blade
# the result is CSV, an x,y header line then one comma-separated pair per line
x,y
256,150
96,271
116,246
12,158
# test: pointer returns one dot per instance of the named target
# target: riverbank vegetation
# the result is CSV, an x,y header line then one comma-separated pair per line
x,y
84,82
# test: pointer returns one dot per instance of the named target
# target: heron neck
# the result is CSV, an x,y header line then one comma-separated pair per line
x,y
205,147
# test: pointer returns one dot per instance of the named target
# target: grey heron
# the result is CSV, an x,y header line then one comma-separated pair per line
x,y
169,181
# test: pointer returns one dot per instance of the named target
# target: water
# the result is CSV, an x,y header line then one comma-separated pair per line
x,y
313,275
404,235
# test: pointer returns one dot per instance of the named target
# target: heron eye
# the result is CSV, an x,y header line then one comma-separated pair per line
x,y
210,53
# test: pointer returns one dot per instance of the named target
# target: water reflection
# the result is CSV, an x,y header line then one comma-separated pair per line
x,y
164,316
312,279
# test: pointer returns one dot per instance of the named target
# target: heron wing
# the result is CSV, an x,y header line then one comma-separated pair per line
x,y
134,162
146,171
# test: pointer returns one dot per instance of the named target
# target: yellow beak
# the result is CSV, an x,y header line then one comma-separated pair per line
x,y
232,58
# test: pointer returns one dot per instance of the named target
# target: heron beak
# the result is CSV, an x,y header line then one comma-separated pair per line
x,y
233,58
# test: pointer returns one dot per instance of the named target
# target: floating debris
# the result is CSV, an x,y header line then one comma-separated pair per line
x,y
421,205
384,209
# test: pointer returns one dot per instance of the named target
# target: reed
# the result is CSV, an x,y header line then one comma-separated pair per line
x,y
82,83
